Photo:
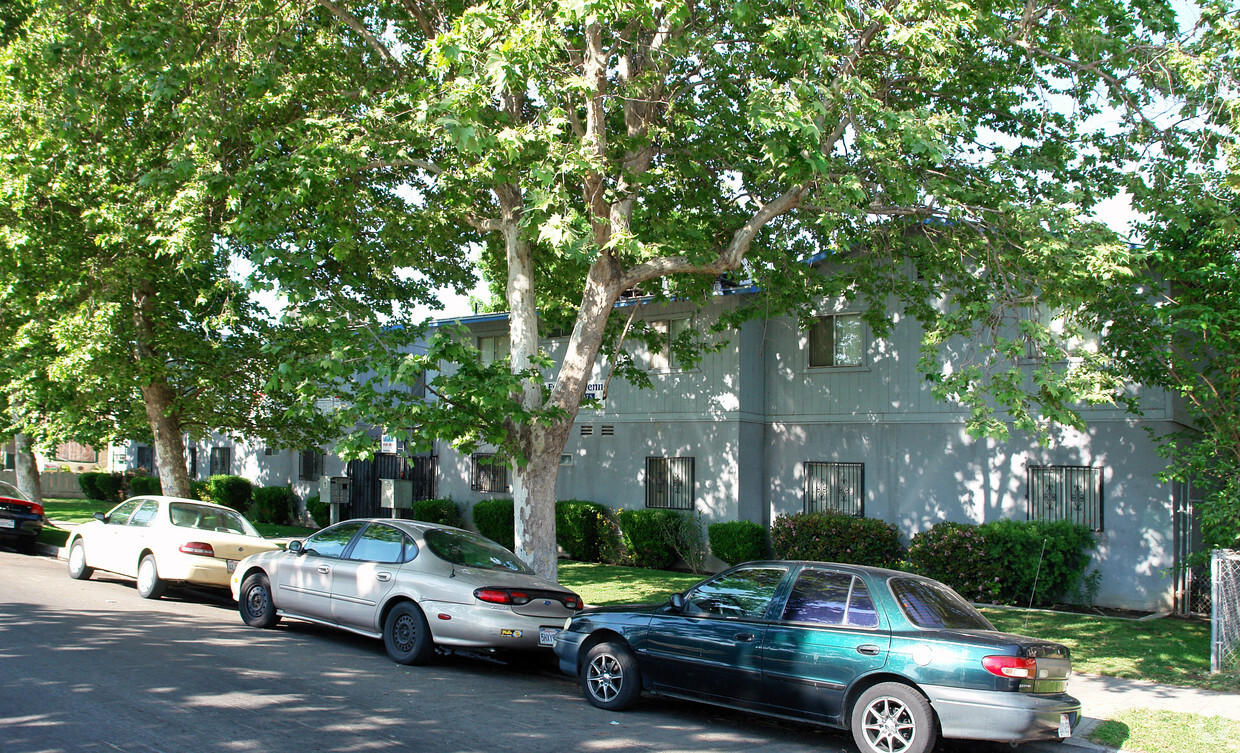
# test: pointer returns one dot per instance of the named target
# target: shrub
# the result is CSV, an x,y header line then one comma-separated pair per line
x,y
89,484
999,562
581,529
737,541
836,537
320,511
494,519
646,536
200,490
105,487
442,511
230,491
272,504
143,485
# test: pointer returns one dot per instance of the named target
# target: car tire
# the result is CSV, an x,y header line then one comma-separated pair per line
x,y
610,677
257,607
150,585
78,569
406,636
892,717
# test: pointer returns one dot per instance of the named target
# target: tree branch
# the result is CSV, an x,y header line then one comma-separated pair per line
x,y
350,20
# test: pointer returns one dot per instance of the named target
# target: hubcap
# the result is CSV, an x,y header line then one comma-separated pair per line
x,y
604,677
258,600
146,574
77,558
404,633
889,725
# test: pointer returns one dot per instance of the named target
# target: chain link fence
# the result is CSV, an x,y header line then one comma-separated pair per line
x,y
1225,612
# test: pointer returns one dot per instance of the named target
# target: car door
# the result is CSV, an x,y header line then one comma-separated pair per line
x,y
131,538
827,634
105,544
711,648
304,580
366,574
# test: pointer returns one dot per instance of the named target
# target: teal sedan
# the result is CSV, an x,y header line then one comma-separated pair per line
x,y
895,658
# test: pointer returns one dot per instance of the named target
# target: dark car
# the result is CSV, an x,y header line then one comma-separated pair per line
x,y
893,657
21,520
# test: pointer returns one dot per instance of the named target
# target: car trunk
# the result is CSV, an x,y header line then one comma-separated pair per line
x,y
531,597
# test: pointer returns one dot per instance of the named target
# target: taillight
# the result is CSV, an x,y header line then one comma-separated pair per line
x,y
573,601
493,595
1016,667
36,508
198,547
519,597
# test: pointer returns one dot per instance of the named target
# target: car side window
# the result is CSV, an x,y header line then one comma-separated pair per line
x,y
120,514
737,593
825,597
380,543
331,542
145,514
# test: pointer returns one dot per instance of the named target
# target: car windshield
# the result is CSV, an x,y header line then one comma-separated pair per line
x,y
206,518
928,604
471,550
10,491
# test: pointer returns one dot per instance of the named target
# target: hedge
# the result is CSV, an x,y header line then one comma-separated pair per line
x,y
441,511
648,536
106,487
272,504
230,491
145,485
494,519
583,529
836,537
737,541
999,562
320,511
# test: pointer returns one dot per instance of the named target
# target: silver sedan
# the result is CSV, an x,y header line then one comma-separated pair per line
x,y
415,585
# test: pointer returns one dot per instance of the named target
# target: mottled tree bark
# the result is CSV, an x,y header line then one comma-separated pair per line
x,y
27,468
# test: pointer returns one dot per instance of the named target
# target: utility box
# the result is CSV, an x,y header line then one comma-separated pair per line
x,y
334,490
395,494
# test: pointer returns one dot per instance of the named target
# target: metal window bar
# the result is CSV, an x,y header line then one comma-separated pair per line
x,y
670,483
838,487
490,474
1066,492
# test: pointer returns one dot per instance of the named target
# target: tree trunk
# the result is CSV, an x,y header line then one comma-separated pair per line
x,y
27,468
158,398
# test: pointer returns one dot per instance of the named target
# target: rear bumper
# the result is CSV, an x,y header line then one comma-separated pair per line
x,y
24,527
470,626
1002,716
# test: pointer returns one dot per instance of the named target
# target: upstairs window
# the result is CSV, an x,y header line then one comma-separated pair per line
x,y
662,359
835,487
836,341
1066,492
493,348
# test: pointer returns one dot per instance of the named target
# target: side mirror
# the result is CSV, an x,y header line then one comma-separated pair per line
x,y
677,602
100,517
294,547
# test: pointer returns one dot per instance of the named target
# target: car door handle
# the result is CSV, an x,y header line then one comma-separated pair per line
x,y
324,569
383,577
868,649
745,637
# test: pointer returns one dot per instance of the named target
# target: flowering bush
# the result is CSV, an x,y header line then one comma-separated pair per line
x,y
836,537
956,554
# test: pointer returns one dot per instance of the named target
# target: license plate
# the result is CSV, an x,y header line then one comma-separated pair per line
x,y
6,523
232,565
1065,725
546,635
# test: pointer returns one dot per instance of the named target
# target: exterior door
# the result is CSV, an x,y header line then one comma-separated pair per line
x,y
361,580
828,634
713,647
304,581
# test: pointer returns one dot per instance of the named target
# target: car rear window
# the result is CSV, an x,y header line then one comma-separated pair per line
x,y
206,518
471,550
928,604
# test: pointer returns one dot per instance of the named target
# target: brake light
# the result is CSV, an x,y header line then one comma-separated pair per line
x,y
36,508
1016,667
493,595
519,597
573,601
198,547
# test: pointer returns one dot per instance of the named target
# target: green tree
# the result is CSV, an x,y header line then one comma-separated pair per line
x,y
938,154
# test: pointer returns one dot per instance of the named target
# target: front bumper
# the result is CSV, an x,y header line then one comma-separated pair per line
x,y
568,649
1002,716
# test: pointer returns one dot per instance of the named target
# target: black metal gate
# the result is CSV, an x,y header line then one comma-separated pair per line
x,y
365,475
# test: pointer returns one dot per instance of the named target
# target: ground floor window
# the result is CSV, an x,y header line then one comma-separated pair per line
x,y
835,487
670,483
1066,492
221,461
311,465
490,473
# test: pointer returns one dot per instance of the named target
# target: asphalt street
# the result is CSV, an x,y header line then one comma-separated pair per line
x,y
90,666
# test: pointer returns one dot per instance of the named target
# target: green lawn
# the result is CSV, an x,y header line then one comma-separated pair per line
x,y
600,585
1168,732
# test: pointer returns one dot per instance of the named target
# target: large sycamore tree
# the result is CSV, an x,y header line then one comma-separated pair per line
x,y
132,138
939,155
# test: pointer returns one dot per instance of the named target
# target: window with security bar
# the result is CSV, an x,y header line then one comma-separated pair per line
x,y
490,474
311,465
670,483
1066,492
835,487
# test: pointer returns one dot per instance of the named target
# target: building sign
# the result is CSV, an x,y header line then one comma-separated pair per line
x,y
594,391
387,445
